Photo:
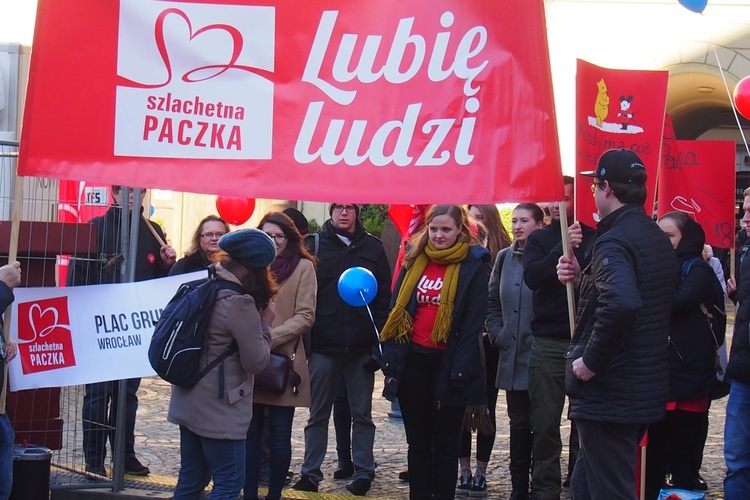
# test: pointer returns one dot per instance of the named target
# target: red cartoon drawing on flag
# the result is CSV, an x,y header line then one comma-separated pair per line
x,y
44,339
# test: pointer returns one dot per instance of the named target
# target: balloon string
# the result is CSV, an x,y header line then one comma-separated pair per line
x,y
377,333
729,94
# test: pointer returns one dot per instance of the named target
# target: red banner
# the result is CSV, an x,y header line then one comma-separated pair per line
x,y
617,109
427,101
697,177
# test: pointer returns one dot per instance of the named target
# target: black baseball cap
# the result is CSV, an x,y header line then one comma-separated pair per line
x,y
618,165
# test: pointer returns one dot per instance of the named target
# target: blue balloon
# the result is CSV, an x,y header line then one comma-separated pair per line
x,y
697,6
357,286
151,211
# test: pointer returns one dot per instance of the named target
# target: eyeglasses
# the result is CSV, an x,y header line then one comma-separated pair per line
x,y
595,185
210,236
278,238
344,208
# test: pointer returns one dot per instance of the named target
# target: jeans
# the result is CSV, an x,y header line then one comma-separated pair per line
x,y
325,372
100,419
279,423
737,442
433,433
202,459
7,439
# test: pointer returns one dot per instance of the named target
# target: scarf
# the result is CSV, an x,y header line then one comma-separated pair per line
x,y
284,265
400,323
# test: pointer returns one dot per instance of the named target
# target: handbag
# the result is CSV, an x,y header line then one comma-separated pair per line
x,y
279,374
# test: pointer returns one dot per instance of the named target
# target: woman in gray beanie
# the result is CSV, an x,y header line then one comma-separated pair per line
x,y
214,420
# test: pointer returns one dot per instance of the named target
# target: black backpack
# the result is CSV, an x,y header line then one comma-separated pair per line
x,y
180,334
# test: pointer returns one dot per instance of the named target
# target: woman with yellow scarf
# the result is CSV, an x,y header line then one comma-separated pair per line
x,y
431,353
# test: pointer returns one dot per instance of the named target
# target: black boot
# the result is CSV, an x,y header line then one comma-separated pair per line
x,y
346,467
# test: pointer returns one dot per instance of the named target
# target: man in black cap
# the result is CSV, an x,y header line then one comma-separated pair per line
x,y
616,376
343,337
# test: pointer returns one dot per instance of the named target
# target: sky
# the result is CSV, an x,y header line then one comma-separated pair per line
x,y
17,21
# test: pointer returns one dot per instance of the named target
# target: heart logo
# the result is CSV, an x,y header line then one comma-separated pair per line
x,y
201,73
42,323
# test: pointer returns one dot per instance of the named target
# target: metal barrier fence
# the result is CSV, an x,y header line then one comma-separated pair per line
x,y
50,417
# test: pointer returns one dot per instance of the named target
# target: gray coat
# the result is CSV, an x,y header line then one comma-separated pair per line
x,y
235,317
509,315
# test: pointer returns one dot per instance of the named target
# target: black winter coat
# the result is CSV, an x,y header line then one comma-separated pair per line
x,y
739,357
92,270
626,295
540,255
461,380
339,327
691,350
190,263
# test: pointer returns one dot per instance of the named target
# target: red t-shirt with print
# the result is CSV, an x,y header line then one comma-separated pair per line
x,y
428,300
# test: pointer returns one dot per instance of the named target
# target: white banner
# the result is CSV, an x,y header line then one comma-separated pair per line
x,y
86,334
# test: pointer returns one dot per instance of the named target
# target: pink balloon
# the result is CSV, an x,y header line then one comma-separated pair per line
x,y
742,97
234,210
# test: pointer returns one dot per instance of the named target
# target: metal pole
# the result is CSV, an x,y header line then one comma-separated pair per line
x,y
129,238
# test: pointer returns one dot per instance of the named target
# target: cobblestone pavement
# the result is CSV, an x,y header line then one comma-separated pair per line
x,y
157,445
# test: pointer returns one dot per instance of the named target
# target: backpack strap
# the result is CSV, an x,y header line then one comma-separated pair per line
x,y
687,265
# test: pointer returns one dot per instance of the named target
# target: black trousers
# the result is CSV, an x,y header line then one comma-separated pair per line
x,y
606,460
433,433
675,445
521,438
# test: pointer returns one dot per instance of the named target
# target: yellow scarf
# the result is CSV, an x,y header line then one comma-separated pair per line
x,y
400,324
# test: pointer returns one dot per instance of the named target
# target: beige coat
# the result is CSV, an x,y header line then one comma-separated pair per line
x,y
235,317
295,314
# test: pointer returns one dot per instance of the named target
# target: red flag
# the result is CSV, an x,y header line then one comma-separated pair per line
x,y
698,178
427,101
408,219
617,109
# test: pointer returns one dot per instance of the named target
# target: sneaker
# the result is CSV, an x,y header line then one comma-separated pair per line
x,y
464,483
304,484
478,486
135,468
359,487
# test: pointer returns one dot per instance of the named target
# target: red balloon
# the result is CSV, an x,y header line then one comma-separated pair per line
x,y
742,97
235,211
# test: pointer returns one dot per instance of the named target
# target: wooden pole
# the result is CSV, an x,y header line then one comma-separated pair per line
x,y
569,288
153,231
12,257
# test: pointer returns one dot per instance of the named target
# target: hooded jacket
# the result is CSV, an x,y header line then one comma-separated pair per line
x,y
626,295
691,345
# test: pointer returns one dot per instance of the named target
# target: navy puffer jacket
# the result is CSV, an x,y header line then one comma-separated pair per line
x,y
621,330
